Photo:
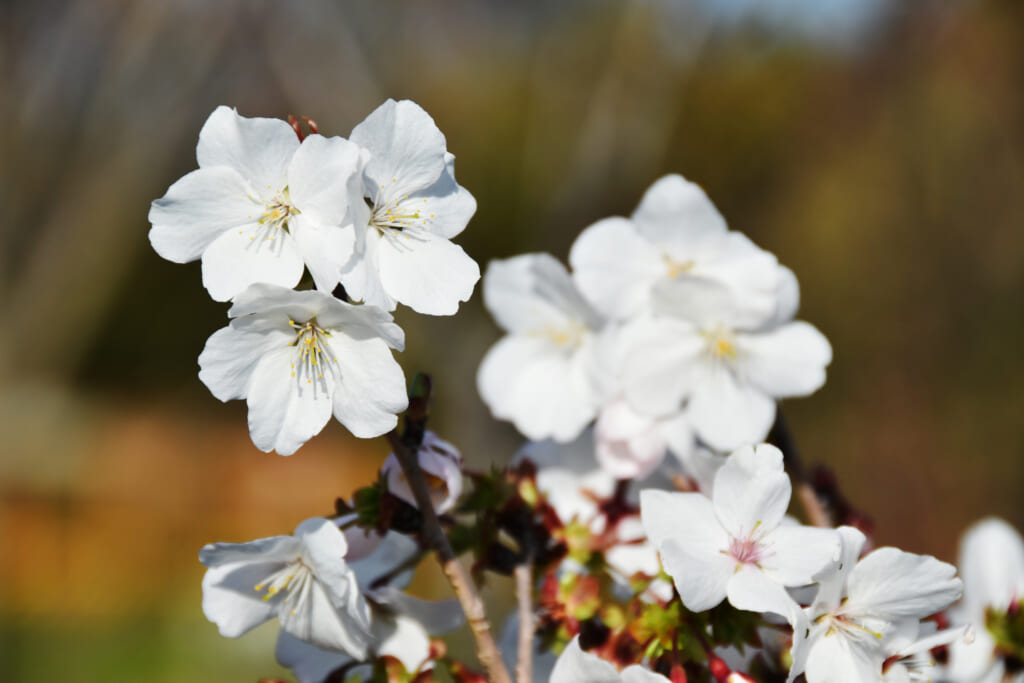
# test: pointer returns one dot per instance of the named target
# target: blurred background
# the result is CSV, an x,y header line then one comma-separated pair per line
x,y
876,147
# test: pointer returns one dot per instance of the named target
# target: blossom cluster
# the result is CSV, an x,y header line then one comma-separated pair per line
x,y
671,333
373,214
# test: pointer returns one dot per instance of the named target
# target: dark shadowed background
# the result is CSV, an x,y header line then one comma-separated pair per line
x,y
876,147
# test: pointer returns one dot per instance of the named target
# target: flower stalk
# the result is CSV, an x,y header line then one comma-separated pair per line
x,y
524,599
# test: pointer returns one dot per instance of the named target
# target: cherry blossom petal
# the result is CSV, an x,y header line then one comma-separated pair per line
x,y
787,361
324,249
408,149
899,584
372,388
445,206
678,213
198,209
426,272
834,658
615,268
832,582
638,674
273,549
532,293
239,258
657,374
325,176
259,149
992,565
317,620
308,663
750,589
576,666
230,356
752,491
361,276
284,412
229,599
798,553
727,413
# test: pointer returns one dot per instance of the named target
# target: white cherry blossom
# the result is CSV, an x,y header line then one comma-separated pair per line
x,y
631,445
550,374
696,352
412,209
298,357
576,666
735,545
302,579
441,462
869,610
260,206
676,234
991,563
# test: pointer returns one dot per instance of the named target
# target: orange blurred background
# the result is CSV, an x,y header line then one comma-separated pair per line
x,y
876,147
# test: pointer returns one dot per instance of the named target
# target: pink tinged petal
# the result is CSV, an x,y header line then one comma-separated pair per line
x,y
638,674
892,583
285,409
197,209
836,658
259,149
752,491
230,599
992,565
784,362
230,356
408,149
752,590
324,249
426,272
312,617
795,554
692,545
308,663
372,388
677,213
325,177
615,268
628,445
726,412
239,258
576,666
658,370
533,293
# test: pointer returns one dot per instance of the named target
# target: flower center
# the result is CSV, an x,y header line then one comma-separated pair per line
x,y
721,343
675,268
295,579
568,337
746,550
278,211
313,344
839,621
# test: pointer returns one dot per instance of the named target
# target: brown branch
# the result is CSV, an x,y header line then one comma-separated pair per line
x,y
783,438
524,598
406,447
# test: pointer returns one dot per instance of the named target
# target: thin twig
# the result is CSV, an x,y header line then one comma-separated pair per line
x,y
405,449
524,598
783,438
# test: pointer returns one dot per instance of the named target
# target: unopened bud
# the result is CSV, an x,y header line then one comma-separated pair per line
x,y
718,668
677,675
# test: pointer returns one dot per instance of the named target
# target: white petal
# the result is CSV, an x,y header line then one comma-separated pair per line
x,y
361,322
788,301
239,258
657,373
426,272
315,619
752,491
752,590
279,549
408,148
784,362
798,553
676,212
576,666
992,565
751,275
229,358
267,304
230,599
614,267
691,542
629,445
308,663
372,389
259,149
638,674
285,411
197,209
445,207
893,583
727,413
325,176
532,293
361,276
436,616
403,638
836,658
832,581
325,250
